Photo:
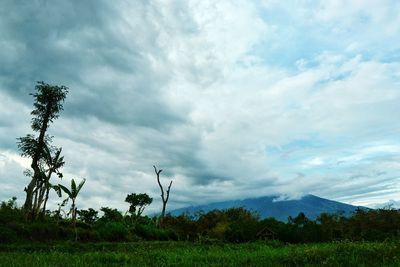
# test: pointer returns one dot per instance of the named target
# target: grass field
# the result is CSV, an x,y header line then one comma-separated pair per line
x,y
194,254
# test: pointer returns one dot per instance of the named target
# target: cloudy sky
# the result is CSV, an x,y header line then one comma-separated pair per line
x,y
232,99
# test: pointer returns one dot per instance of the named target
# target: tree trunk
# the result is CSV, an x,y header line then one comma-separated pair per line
x,y
35,201
29,194
73,210
45,200
163,197
163,210
44,196
35,161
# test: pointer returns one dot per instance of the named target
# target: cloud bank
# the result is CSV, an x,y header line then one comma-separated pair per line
x,y
232,99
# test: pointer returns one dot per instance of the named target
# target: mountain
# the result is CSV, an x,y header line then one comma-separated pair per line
x,y
270,206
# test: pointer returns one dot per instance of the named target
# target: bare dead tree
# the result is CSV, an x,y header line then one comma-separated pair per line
x,y
164,194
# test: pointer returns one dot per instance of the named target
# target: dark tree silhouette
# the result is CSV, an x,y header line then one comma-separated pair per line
x,y
138,202
48,100
164,195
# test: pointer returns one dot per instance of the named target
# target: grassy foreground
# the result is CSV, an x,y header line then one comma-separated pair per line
x,y
192,254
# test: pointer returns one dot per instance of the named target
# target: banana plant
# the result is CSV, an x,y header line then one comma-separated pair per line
x,y
72,194
54,163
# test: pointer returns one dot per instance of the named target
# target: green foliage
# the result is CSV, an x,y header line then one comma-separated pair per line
x,y
87,234
48,100
302,230
110,215
373,225
232,225
331,226
28,145
113,231
138,202
7,235
235,225
9,212
243,225
88,216
40,231
73,194
184,226
152,232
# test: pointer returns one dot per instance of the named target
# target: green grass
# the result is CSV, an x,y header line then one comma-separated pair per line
x,y
194,254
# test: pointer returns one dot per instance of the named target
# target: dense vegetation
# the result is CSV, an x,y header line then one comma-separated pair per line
x,y
234,225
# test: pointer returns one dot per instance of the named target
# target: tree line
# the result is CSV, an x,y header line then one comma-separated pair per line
x,y
234,225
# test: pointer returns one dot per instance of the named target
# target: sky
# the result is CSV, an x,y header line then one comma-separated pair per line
x,y
232,99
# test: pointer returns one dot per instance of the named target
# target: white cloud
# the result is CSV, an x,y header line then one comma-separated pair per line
x,y
314,162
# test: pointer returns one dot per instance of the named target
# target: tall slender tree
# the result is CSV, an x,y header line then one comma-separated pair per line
x,y
48,102
164,194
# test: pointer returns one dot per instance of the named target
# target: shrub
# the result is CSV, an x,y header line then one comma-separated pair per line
x,y
7,235
184,226
151,232
40,231
88,216
113,231
9,212
243,225
111,215
87,234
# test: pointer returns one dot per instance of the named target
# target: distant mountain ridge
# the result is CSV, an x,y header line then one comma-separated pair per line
x,y
268,206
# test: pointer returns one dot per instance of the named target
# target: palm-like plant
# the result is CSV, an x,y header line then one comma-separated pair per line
x,y
54,165
72,194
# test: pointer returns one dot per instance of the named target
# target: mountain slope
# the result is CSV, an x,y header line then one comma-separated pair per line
x,y
268,206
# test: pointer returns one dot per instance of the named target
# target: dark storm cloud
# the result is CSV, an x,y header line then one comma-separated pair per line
x,y
115,72
35,29
78,44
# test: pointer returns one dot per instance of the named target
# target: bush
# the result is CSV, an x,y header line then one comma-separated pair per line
x,y
7,235
113,231
9,212
243,225
151,232
88,216
40,231
184,226
232,225
111,215
87,234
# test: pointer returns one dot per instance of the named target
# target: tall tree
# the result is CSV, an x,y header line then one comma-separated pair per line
x,y
48,102
164,194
